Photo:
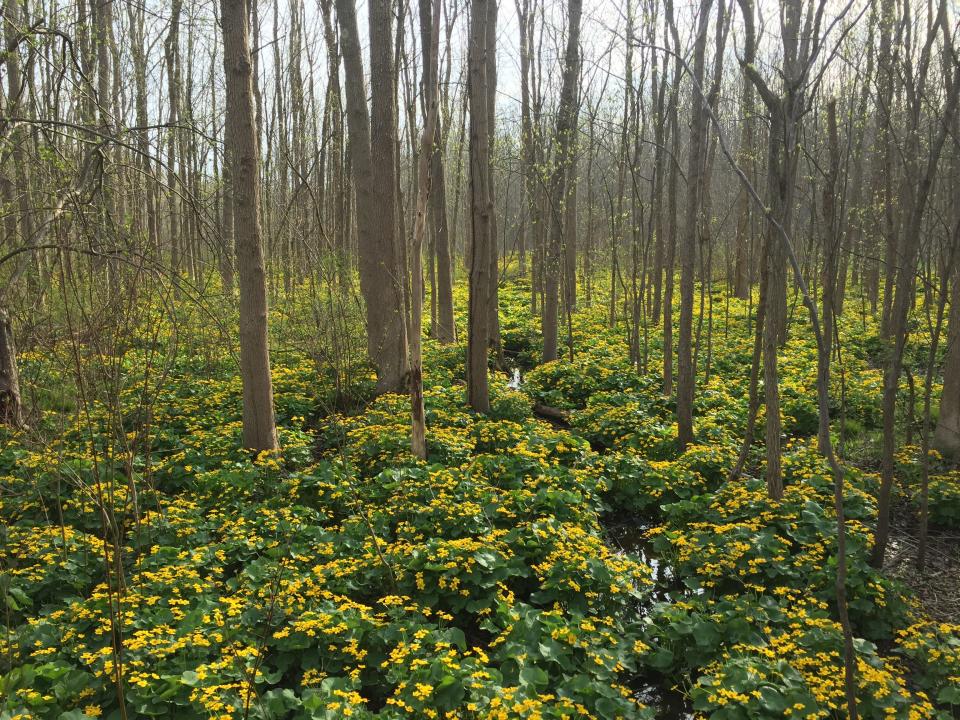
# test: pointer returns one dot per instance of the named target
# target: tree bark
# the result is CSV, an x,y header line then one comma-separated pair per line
x,y
946,437
431,39
380,269
688,247
171,53
672,194
559,180
11,407
481,215
493,298
446,329
259,426
741,287
831,243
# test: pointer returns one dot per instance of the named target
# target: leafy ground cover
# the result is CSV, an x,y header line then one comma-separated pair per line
x,y
150,565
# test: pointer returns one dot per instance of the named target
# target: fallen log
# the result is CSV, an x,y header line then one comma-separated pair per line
x,y
552,414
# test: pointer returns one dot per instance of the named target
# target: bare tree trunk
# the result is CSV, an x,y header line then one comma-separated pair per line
x,y
883,168
753,403
446,329
259,426
104,25
659,159
221,169
493,298
562,168
741,287
18,137
171,53
672,194
482,240
430,33
823,359
380,279
688,247
333,111
935,331
570,243
11,408
137,18
946,437
782,147
831,241
856,211
528,162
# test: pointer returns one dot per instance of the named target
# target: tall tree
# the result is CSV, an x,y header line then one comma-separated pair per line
x,y
688,247
171,55
745,159
446,329
372,159
493,297
673,127
482,240
528,140
429,19
560,177
801,44
259,425
333,128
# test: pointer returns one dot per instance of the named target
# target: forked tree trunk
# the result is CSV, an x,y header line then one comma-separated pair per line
x,y
380,269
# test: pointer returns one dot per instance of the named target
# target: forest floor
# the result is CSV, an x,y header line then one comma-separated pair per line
x,y
938,586
526,570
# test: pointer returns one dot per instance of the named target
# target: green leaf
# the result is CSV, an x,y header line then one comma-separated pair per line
x,y
532,675
661,659
189,677
772,700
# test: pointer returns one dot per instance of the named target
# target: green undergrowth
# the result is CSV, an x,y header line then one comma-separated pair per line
x,y
342,577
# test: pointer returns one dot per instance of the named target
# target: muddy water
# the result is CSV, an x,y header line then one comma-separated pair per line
x,y
632,538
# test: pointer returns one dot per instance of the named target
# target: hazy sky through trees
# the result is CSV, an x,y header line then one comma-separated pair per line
x,y
602,42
